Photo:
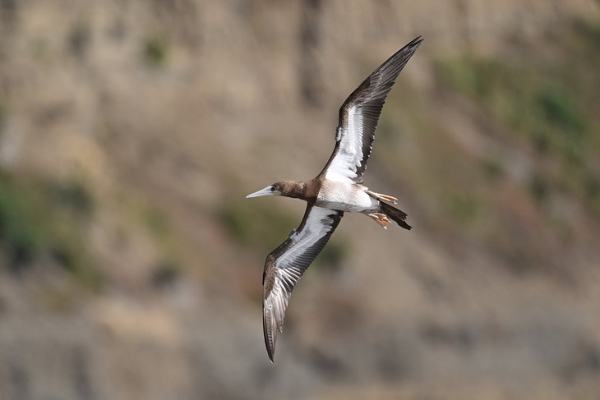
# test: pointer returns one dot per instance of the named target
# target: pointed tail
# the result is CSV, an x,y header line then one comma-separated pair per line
x,y
397,215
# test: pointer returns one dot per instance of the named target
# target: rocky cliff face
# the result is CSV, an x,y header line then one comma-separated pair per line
x,y
131,263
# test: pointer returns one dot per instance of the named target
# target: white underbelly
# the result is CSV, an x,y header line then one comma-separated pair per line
x,y
345,197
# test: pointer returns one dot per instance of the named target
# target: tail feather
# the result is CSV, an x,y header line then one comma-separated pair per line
x,y
397,215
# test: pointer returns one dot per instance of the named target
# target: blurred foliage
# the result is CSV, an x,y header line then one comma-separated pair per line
x,y
333,255
559,109
79,40
141,213
46,220
166,273
590,31
74,196
493,169
2,114
539,187
16,233
546,103
398,118
531,102
257,224
156,50
156,220
463,207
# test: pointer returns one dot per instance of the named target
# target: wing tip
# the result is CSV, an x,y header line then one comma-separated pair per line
x,y
415,42
270,338
413,45
270,334
271,354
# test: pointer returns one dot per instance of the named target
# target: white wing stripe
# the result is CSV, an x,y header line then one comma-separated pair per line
x,y
343,166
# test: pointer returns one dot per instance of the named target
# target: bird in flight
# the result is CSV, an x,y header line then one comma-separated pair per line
x,y
337,189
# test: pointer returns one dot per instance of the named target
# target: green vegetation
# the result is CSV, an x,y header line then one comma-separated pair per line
x,y
22,241
156,220
156,50
559,109
2,115
592,191
166,273
546,104
79,40
142,215
170,267
531,103
258,224
74,196
492,169
463,207
46,220
539,187
333,255
590,31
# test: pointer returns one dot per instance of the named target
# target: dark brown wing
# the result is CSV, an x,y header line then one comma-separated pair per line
x,y
359,116
286,264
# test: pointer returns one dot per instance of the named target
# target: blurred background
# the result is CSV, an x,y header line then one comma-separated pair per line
x,y
131,263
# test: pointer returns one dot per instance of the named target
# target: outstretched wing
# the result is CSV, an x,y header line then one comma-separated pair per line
x,y
359,116
286,264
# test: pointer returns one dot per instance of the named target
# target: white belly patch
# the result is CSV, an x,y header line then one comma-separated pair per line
x,y
345,197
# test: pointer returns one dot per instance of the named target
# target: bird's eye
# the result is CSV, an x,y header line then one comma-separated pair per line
x,y
272,188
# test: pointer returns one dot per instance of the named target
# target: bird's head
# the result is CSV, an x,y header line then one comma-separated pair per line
x,y
272,190
284,188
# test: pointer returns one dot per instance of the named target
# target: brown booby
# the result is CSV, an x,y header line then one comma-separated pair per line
x,y
337,189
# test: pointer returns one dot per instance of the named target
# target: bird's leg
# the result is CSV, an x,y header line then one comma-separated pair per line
x,y
381,219
383,197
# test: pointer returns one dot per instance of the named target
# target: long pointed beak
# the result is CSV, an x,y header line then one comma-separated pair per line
x,y
268,191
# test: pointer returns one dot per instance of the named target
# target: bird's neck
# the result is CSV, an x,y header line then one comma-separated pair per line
x,y
293,189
